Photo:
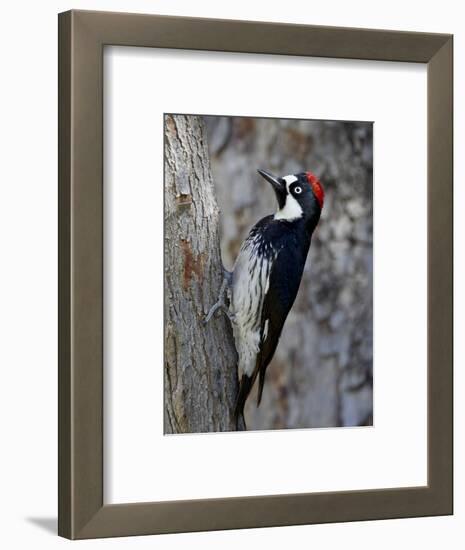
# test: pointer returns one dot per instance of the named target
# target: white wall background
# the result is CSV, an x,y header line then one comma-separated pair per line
x,y
28,273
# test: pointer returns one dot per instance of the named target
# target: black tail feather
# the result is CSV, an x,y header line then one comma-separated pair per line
x,y
261,382
245,387
240,423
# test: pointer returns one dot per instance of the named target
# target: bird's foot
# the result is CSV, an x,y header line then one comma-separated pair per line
x,y
215,307
221,303
223,307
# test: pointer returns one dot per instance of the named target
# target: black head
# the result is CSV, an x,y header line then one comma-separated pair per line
x,y
298,195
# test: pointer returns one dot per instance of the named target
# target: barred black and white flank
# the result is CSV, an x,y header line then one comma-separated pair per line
x,y
267,274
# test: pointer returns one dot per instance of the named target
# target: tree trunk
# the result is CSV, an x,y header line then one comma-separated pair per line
x,y
200,361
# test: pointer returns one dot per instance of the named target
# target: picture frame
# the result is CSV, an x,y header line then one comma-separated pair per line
x,y
82,37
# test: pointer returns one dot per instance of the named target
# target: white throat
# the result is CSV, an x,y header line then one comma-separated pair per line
x,y
292,209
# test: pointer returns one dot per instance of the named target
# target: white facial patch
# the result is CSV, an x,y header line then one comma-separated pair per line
x,y
292,209
289,179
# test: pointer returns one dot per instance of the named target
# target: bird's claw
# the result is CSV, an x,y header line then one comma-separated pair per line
x,y
212,311
220,304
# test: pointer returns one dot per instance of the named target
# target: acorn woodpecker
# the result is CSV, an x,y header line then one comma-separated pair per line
x,y
267,275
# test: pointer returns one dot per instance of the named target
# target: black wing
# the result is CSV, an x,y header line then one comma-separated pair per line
x,y
285,278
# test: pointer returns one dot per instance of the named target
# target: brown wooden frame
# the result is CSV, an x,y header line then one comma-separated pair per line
x,y
82,36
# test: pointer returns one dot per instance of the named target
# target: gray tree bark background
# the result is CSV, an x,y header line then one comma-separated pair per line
x,y
321,374
200,362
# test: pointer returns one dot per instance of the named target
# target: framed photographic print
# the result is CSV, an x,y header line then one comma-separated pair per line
x,y
255,285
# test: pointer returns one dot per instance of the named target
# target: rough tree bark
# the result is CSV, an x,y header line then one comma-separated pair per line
x,y
200,361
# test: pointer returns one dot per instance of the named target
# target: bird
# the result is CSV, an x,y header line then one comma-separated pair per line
x,y
266,277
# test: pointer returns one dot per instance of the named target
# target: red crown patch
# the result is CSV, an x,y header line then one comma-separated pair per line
x,y
317,188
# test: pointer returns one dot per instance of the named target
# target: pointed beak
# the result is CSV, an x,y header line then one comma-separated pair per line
x,y
279,188
277,185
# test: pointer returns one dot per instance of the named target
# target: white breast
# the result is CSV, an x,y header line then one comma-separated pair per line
x,y
291,211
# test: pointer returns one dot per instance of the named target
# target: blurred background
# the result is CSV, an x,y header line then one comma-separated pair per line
x,y
322,372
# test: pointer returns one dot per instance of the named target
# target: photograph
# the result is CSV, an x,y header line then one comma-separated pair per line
x,y
268,273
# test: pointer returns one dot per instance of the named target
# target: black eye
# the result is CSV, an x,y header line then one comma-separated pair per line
x,y
297,190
